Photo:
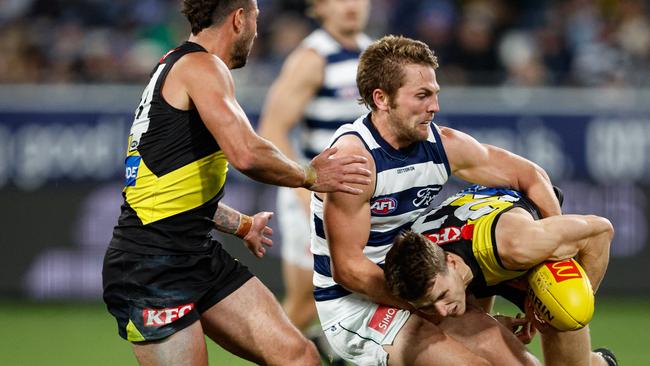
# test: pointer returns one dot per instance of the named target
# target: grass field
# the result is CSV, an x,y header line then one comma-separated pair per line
x,y
84,334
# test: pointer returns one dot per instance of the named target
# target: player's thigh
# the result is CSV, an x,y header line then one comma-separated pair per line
x,y
250,323
421,342
185,347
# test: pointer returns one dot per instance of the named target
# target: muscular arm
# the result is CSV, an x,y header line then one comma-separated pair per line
x,y
494,167
300,78
347,226
210,87
585,237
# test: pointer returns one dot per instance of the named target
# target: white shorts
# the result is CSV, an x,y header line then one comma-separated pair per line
x,y
294,227
360,338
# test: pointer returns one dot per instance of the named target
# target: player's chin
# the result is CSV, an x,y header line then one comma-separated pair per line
x,y
459,310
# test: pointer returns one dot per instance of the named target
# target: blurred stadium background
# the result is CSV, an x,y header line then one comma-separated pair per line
x,y
564,83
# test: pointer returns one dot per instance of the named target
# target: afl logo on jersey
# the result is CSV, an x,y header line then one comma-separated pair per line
x,y
384,206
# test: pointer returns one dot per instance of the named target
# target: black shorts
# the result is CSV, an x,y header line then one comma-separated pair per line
x,y
154,296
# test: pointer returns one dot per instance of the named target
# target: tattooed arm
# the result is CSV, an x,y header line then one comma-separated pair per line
x,y
253,230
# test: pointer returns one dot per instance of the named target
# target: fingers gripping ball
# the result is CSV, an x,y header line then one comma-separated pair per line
x,y
561,294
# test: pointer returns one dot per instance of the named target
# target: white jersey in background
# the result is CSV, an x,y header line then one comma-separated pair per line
x,y
336,102
406,182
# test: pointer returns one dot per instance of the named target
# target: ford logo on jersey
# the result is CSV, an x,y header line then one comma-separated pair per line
x,y
384,206
132,165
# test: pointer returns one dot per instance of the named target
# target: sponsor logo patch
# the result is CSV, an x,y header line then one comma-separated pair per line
x,y
382,318
158,317
564,270
451,234
384,206
131,173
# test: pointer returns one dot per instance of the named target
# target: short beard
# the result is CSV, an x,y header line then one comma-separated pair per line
x,y
240,50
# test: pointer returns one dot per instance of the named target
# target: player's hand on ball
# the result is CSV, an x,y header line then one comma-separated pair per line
x,y
259,234
521,326
536,322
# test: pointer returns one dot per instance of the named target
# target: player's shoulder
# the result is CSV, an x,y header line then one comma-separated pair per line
x,y
305,58
202,67
321,42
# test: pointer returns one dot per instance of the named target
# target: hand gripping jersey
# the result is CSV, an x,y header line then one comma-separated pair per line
x,y
465,224
336,102
406,182
174,173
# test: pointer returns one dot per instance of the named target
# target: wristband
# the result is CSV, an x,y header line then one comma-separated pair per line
x,y
310,175
245,223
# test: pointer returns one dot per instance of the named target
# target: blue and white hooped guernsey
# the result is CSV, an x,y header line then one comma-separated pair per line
x,y
406,182
335,103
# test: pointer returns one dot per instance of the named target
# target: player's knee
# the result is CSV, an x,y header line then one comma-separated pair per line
x,y
301,352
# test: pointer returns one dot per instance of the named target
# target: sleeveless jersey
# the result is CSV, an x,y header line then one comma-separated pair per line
x,y
406,182
465,224
335,103
174,173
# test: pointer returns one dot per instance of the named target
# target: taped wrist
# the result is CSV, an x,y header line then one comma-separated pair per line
x,y
245,223
310,175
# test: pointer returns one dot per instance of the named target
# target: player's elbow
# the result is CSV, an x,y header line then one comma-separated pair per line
x,y
243,161
344,276
605,227
608,228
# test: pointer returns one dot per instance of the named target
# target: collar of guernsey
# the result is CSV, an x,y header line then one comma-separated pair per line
x,y
173,163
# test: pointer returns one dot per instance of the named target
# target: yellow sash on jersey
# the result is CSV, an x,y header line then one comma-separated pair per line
x,y
482,244
154,198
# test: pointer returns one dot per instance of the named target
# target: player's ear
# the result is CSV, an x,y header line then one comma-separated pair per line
x,y
381,99
451,261
238,20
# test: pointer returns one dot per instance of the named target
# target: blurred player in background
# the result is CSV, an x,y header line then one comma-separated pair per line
x,y
316,87
411,159
165,280
489,237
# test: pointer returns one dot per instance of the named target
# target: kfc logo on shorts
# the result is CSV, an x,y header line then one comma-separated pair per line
x,y
158,317
384,206
382,319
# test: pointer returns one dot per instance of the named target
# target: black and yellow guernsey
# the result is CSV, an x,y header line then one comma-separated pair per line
x,y
465,224
174,174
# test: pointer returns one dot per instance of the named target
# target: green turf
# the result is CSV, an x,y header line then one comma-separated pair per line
x,y
32,334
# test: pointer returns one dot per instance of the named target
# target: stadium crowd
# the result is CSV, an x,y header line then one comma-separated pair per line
x,y
479,42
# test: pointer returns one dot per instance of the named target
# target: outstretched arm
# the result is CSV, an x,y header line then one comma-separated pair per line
x,y
210,87
523,242
253,230
494,167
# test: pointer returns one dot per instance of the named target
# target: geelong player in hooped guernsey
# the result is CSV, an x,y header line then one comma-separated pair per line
x,y
396,202
410,158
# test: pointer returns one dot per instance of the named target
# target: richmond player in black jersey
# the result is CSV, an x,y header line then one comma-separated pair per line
x,y
479,239
165,280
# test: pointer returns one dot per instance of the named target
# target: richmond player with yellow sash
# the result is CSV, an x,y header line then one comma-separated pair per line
x,y
485,237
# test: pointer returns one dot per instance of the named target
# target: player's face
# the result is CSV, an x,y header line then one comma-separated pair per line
x,y
344,16
242,46
414,105
446,297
